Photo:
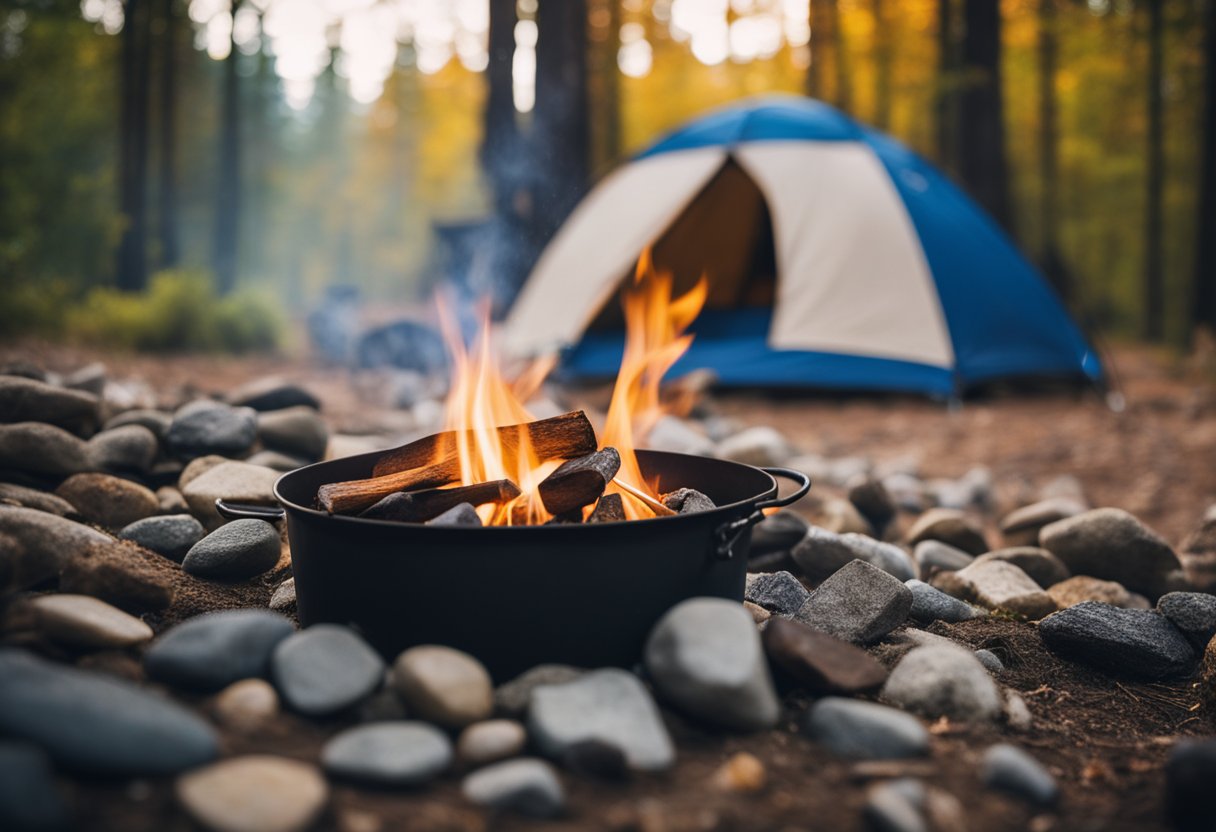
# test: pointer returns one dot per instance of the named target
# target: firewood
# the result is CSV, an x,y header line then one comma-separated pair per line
x,y
461,515
687,501
610,509
578,482
420,506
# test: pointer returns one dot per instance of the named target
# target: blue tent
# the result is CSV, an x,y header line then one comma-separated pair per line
x,y
836,257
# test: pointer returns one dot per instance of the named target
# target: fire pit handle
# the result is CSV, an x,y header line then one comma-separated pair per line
x,y
728,534
244,511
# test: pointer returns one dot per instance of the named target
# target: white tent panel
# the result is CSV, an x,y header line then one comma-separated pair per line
x,y
581,268
852,276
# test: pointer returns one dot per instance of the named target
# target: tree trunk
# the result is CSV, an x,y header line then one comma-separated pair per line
x,y
981,147
1050,257
132,261
883,59
605,81
1204,308
844,80
500,139
228,187
167,197
816,70
946,100
1154,279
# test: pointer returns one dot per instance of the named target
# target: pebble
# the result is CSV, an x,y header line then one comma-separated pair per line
x,y
949,681
931,604
29,400
20,495
990,660
906,490
42,450
172,535
239,482
91,378
490,741
156,421
85,622
609,706
462,515
126,448
823,552
30,800
760,445
818,662
299,431
997,585
324,669
949,526
1138,643
1190,770
235,551
443,685
254,793
1021,527
1111,544
512,698
743,773
209,427
1044,568
93,723
779,592
858,603
873,500
688,501
1010,769
896,806
778,532
284,597
388,754
527,786
839,516
47,542
246,704
933,556
1081,588
1194,613
197,467
108,501
671,433
278,461
866,730
704,656
1017,712
272,393
122,574
213,650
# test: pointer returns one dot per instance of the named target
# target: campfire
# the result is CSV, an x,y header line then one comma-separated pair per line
x,y
496,465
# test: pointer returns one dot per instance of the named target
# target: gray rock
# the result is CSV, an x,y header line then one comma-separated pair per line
x,y
1010,769
930,604
907,491
949,526
284,596
127,448
30,800
608,705
20,495
687,501
490,741
1138,643
896,806
990,660
778,532
460,515
98,724
210,427
1109,543
866,730
937,681
1044,568
235,551
997,585
42,450
1021,527
760,445
325,669
27,400
779,592
278,461
213,650
678,436
822,553
1194,613
873,500
839,516
40,545
512,698
107,500
388,754
172,535
272,393
704,656
91,378
933,556
238,482
156,421
299,431
527,786
859,603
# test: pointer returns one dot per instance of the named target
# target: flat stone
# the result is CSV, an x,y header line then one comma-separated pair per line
x,y
299,431
278,461
107,500
1080,588
393,754
997,585
20,495
246,704
512,698
47,541
930,604
866,730
760,446
28,400
778,532
1044,568
1111,544
949,526
1010,769
42,450
779,592
936,681
933,556
157,421
197,467
239,482
1193,613
97,724
235,551
527,786
284,597
490,741
1021,527
822,553
209,427
126,448
255,793
609,705
91,378
84,621
818,662
670,433
325,669
1190,770
122,574
1137,643
272,393
171,500
214,650
30,800
172,535
873,500
704,656
444,685
859,603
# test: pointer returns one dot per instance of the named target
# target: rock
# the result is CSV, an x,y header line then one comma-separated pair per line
x,y
1109,543
1190,771
841,517
42,544
991,661
608,705
85,622
92,723
198,466
30,800
866,730
172,536
687,501
171,500
678,436
255,793
512,698
27,400
278,461
760,446
1044,568
42,450
108,501
933,556
949,526
906,491
1021,527
235,551
778,532
1017,712
388,754
272,393
299,431
930,604
896,806
209,427
1193,613
324,669
779,592
874,502
443,685
949,681
214,650
246,704
384,705
997,585
527,786
1138,643
156,421
239,482
818,662
19,495
122,574
859,603
21,368
743,773
90,378
704,657
461,515
1081,588
1010,769
284,597
822,553
127,448
490,741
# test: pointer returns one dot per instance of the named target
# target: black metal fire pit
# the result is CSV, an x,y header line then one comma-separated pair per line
x,y
515,597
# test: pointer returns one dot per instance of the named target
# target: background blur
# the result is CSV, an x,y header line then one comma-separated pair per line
x,y
262,157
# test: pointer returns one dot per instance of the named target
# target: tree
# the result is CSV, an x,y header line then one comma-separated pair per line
x,y
883,58
1204,291
981,142
228,184
946,99
844,83
132,260
1050,257
167,193
500,137
1154,278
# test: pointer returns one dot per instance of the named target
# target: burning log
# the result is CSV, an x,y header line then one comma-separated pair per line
x,y
419,506
687,501
610,509
578,482
461,515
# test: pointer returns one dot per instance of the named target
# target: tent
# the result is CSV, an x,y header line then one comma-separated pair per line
x,y
836,258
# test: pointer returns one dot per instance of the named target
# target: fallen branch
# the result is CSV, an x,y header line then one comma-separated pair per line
x,y
420,506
